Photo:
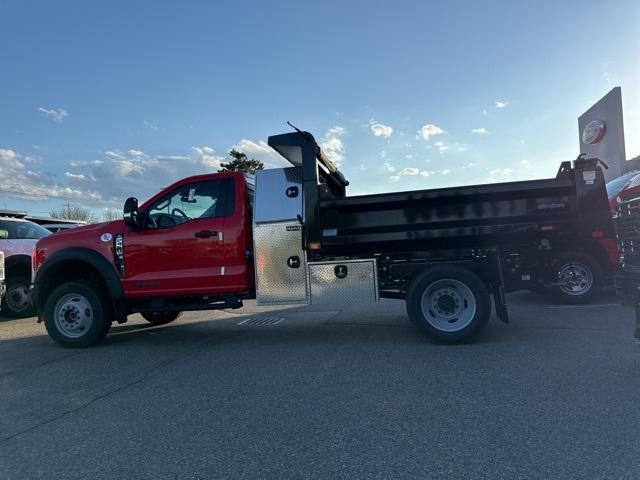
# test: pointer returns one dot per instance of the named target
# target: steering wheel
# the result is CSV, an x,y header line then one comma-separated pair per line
x,y
157,223
184,215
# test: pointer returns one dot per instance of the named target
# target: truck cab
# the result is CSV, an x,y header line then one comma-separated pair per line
x,y
189,244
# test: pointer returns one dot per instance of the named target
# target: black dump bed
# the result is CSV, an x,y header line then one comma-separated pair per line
x,y
477,216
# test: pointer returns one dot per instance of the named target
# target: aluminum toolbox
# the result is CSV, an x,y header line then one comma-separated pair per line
x,y
280,263
340,282
278,195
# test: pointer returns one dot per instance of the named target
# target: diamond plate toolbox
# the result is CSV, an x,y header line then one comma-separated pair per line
x,y
280,263
278,194
348,281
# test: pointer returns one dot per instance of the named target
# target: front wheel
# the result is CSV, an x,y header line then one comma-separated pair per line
x,y
160,318
450,304
77,314
16,302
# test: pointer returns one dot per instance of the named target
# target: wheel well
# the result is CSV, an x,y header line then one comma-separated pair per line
x,y
595,251
19,267
68,271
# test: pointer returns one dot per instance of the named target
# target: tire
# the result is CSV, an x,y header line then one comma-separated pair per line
x,y
77,314
160,318
449,304
16,302
585,276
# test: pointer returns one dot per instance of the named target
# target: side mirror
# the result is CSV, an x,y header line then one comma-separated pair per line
x,y
130,212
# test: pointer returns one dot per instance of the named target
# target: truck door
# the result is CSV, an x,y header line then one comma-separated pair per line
x,y
181,250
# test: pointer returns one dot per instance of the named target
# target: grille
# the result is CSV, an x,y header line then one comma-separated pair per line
x,y
627,223
261,321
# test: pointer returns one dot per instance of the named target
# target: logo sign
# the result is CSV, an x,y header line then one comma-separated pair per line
x,y
340,271
593,132
106,237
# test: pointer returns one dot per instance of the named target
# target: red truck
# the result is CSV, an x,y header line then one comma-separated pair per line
x,y
292,236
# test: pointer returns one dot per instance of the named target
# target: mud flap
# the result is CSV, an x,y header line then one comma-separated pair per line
x,y
497,283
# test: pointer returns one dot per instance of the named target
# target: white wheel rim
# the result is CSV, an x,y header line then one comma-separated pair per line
x,y
448,305
576,278
73,315
18,298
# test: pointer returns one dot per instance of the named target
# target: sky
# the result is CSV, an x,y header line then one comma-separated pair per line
x,y
103,100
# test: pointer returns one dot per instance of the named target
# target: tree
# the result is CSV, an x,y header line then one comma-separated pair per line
x,y
240,163
74,212
110,214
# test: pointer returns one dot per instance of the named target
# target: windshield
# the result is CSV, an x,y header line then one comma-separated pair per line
x,y
21,230
614,186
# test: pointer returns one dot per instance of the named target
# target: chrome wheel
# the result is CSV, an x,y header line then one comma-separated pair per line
x,y
18,298
575,278
73,315
448,305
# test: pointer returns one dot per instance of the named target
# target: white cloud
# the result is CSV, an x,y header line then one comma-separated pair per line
x,y
525,163
380,130
501,172
56,114
6,154
446,171
332,144
501,104
207,157
75,176
151,126
441,146
425,173
20,181
262,152
394,178
409,171
480,131
137,153
389,168
429,130
114,154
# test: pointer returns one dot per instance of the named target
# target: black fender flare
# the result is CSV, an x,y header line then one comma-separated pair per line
x,y
21,259
91,257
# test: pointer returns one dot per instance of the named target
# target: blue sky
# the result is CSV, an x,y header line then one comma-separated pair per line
x,y
104,99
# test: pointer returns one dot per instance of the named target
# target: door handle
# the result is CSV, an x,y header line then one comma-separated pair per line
x,y
205,234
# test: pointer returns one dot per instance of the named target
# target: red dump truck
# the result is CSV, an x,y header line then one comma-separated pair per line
x,y
292,236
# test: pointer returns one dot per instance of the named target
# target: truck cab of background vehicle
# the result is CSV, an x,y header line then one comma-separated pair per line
x,y
18,239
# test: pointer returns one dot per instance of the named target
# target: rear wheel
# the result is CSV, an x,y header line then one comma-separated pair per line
x,y
580,277
77,314
449,304
160,318
16,302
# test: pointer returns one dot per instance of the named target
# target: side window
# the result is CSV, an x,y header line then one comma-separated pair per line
x,y
208,199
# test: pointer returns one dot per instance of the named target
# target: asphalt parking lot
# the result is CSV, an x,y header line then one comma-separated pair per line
x,y
318,392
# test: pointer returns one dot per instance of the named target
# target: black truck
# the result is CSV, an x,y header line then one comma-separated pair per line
x,y
292,236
